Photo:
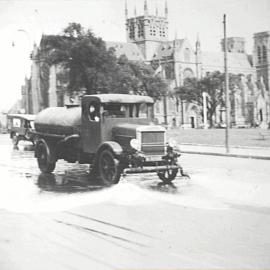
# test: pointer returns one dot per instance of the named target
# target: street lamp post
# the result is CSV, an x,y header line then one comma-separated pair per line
x,y
25,87
204,110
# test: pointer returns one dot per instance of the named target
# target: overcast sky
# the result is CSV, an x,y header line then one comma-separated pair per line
x,y
22,22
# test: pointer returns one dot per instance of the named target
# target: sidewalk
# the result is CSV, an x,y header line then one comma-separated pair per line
x,y
234,151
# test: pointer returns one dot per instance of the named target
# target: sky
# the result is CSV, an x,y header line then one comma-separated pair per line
x,y
22,23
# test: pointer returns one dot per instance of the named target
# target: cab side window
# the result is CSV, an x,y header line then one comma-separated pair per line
x,y
16,122
93,112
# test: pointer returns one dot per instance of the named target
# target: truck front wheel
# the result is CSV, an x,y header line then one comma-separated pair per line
x,y
108,168
43,158
167,176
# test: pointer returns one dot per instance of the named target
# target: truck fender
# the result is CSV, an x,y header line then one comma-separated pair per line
x,y
115,147
50,149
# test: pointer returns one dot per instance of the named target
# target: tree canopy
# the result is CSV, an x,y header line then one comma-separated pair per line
x,y
88,64
213,85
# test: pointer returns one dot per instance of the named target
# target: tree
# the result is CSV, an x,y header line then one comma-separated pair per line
x,y
90,65
212,84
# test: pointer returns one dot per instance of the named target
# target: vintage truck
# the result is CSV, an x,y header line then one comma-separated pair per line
x,y
114,133
20,127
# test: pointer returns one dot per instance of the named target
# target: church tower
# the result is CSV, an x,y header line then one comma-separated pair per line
x,y
147,31
234,44
261,57
198,55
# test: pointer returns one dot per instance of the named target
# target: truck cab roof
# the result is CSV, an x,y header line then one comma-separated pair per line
x,y
121,98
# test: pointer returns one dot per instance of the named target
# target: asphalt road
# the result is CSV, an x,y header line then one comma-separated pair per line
x,y
218,219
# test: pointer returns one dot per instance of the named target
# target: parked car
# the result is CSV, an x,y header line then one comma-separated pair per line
x,y
21,127
114,133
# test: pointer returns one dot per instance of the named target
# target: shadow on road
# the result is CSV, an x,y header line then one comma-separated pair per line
x,y
24,147
69,182
73,181
162,187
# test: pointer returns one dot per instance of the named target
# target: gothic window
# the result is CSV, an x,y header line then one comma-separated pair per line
x,y
169,71
187,55
259,54
132,31
264,53
140,30
154,31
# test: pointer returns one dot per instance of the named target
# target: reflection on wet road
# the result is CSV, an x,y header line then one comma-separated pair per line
x,y
31,190
214,187
67,178
65,220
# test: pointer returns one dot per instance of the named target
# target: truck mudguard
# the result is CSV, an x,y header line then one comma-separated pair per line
x,y
113,146
50,150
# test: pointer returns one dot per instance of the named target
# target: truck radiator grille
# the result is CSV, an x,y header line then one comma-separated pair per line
x,y
153,143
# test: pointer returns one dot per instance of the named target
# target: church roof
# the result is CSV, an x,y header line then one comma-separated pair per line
x,y
167,48
130,50
237,62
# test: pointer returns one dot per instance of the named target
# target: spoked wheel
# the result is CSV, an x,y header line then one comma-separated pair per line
x,y
15,139
43,159
167,176
109,169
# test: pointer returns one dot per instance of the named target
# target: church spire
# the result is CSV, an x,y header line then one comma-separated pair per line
x,y
126,10
156,9
198,57
166,9
145,8
135,12
198,43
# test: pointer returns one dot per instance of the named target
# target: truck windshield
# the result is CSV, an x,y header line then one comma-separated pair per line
x,y
138,110
126,110
114,110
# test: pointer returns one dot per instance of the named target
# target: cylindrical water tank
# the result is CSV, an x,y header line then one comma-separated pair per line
x,y
59,120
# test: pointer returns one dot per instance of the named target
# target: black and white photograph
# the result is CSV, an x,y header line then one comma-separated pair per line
x,y
134,135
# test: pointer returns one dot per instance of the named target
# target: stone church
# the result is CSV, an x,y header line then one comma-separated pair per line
x,y
147,40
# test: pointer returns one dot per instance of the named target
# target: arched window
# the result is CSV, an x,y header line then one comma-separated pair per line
x,y
259,54
188,73
187,55
264,53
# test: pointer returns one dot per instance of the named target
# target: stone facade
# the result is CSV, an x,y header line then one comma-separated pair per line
x,y
178,59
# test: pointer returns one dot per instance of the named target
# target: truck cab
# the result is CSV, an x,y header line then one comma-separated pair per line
x,y
115,133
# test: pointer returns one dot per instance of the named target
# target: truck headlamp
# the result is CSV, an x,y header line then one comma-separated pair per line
x,y
134,143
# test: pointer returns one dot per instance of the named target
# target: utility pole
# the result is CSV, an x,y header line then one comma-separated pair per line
x,y
227,100
165,96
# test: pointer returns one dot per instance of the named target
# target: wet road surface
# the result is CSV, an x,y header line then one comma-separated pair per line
x,y
218,219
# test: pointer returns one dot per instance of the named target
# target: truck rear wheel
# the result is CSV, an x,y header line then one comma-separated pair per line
x,y
43,158
15,139
108,168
